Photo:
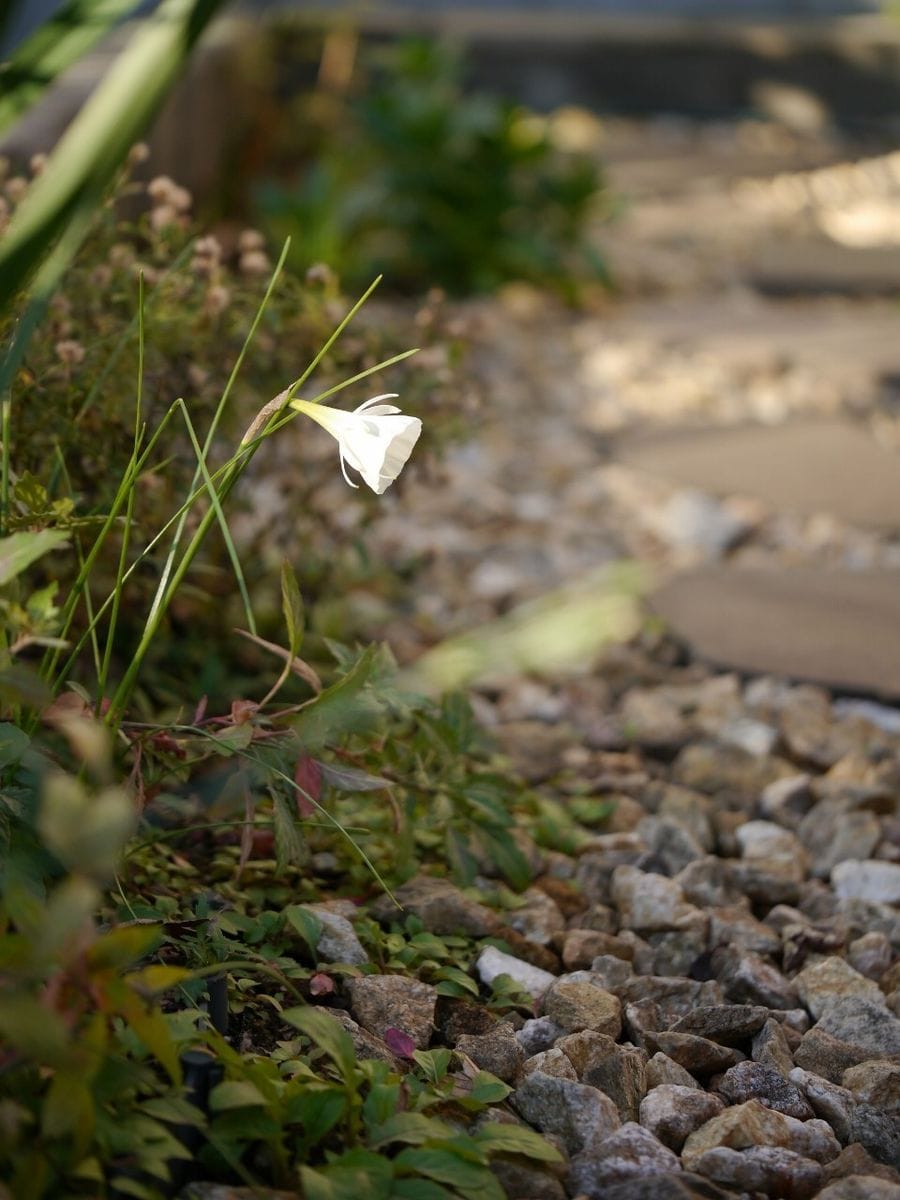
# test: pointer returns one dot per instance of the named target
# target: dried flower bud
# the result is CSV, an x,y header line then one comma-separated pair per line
x,y
163,216
70,352
37,163
250,239
159,189
320,273
180,198
60,305
208,247
101,276
138,153
120,255
217,299
198,376
255,262
16,188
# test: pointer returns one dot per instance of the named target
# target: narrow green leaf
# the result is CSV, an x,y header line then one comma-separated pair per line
x,y
89,153
236,1093
516,1139
324,1032
288,841
292,607
54,46
20,550
306,923
410,1127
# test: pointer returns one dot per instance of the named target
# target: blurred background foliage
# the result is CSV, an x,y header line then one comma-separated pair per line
x,y
390,165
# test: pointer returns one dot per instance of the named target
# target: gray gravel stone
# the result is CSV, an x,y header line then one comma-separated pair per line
x,y
770,1170
708,883
877,1082
576,1006
440,906
861,1187
729,1024
770,1047
833,836
382,1002
867,880
663,1070
864,1023
830,1101
752,1079
750,979
338,942
681,1185
753,1124
672,1112
698,1055
832,979
539,918
579,1115
650,903
871,955
632,1152
619,1071
536,1034
493,962
826,1055
549,1062
736,926
497,1051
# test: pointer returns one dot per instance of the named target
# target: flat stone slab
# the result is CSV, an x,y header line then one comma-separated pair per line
x,y
805,467
841,629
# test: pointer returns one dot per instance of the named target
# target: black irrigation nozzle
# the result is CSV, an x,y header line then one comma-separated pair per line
x,y
201,1072
217,996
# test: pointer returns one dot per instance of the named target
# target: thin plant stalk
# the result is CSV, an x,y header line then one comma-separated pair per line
x,y
103,674
244,451
220,515
162,590
5,421
170,583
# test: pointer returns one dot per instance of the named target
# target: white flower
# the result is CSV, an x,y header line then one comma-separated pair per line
x,y
375,439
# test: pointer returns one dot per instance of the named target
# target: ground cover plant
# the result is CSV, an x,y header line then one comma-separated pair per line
x,y
403,171
117,964
182,836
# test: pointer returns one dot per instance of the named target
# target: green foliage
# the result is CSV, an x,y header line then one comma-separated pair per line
x,y
419,180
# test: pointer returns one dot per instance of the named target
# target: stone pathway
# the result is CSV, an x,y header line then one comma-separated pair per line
x,y
697,423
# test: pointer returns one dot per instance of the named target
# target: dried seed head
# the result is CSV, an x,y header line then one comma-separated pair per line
x,y
120,255
250,239
70,352
255,262
163,216
37,163
217,299
138,153
320,273
16,188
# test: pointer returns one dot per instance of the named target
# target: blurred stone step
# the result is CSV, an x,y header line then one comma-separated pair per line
x,y
840,629
801,467
788,267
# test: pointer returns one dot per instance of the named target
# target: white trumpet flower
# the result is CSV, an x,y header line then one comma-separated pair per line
x,y
375,439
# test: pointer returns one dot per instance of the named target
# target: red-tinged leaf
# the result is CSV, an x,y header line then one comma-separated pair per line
x,y
243,711
399,1043
66,707
246,832
308,776
321,985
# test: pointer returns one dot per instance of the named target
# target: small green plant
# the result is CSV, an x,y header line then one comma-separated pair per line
x,y
419,180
